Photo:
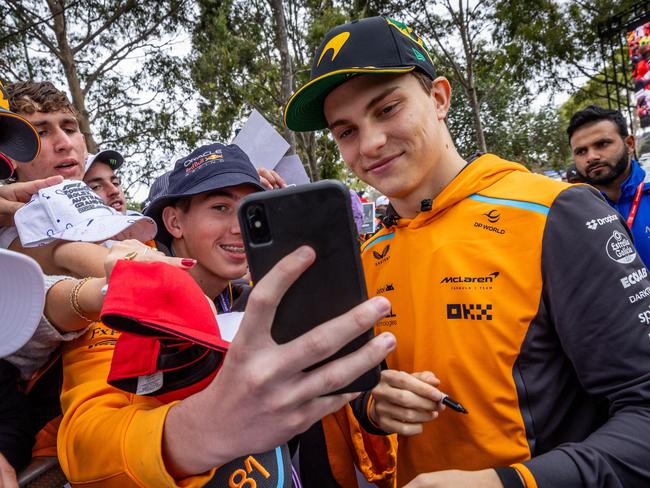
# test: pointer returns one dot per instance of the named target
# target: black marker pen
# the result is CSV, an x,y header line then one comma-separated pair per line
x,y
453,404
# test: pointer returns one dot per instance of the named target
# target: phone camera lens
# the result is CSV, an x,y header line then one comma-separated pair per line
x,y
258,225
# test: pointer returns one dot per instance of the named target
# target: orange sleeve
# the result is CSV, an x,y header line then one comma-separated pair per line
x,y
109,437
348,445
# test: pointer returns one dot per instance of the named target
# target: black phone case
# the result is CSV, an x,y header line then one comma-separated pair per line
x,y
318,215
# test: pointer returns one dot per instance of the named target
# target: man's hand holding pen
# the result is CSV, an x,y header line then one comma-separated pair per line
x,y
402,402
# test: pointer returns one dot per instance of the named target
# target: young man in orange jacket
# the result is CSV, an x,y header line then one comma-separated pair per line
x,y
531,316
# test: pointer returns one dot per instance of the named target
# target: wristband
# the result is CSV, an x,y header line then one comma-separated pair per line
x,y
509,478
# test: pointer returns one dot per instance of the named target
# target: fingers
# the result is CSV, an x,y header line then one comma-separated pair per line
x,y
266,295
271,179
133,250
343,371
328,338
403,401
409,391
24,191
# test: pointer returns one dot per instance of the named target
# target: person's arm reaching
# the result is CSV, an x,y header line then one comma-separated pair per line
x,y
261,396
259,399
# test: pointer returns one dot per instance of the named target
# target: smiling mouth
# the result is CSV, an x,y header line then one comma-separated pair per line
x,y
383,162
117,204
238,249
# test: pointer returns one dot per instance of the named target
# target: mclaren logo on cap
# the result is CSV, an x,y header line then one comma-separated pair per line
x,y
335,44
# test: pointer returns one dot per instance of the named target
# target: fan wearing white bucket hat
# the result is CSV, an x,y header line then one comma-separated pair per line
x,y
63,152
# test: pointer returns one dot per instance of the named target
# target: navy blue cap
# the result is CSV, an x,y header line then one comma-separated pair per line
x,y
211,167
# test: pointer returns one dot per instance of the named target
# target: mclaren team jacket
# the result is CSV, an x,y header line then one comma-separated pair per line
x,y
526,297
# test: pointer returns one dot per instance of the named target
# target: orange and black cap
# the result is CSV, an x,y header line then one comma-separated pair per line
x,y
18,138
372,45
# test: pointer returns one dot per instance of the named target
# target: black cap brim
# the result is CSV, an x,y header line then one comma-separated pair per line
x,y
304,110
18,138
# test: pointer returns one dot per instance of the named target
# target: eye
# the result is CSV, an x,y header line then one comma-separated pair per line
x,y
344,133
42,132
95,187
220,207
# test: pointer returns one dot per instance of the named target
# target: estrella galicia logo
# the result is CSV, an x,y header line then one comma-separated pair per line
x,y
469,311
493,216
619,248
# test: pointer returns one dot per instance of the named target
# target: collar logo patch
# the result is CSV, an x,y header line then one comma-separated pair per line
x,y
335,44
382,254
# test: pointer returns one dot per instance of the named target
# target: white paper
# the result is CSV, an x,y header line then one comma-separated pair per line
x,y
261,142
291,169
229,324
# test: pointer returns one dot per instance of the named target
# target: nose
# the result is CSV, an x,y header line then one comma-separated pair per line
x,y
234,224
593,154
112,188
371,140
62,142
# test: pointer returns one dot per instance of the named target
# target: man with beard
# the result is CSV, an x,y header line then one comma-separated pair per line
x,y
603,152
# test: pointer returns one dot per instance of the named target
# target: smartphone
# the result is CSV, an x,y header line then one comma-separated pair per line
x,y
274,224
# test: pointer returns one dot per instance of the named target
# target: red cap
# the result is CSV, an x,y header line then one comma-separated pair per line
x,y
166,368
156,299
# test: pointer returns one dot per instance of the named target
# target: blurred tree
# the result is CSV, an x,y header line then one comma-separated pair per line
x,y
116,59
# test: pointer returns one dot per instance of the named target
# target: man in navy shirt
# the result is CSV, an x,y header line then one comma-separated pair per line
x,y
603,151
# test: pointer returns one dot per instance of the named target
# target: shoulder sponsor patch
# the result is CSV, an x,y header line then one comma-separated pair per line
x,y
593,224
634,277
619,248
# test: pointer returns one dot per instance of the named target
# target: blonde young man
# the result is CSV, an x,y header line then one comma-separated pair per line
x,y
531,315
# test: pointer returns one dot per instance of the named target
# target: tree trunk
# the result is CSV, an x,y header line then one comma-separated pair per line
x,y
70,69
463,25
308,143
282,43
476,115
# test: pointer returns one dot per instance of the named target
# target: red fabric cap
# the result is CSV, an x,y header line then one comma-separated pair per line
x,y
162,367
150,298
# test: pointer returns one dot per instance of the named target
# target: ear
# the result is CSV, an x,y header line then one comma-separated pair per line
x,y
441,94
172,220
630,143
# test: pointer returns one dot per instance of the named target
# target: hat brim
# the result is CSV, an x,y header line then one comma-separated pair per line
x,y
216,182
116,227
110,155
22,297
304,110
181,374
6,168
18,138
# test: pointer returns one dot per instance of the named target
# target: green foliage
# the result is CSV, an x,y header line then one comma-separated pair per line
x,y
116,59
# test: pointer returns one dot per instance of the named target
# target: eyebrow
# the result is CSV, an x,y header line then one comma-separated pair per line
x,y
368,107
100,179
66,120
